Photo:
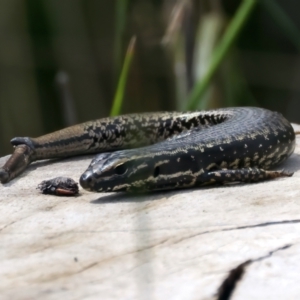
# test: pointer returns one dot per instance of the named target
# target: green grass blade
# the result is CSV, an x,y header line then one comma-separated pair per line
x,y
119,96
232,32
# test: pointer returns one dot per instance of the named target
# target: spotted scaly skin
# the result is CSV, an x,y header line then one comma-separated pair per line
x,y
178,150
238,144
107,134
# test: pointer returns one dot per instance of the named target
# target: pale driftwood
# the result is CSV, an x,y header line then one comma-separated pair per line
x,y
168,245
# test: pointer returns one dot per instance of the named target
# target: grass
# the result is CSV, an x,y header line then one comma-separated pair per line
x,y
120,91
234,29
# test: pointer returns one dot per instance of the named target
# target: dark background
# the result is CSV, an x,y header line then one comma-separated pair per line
x,y
60,60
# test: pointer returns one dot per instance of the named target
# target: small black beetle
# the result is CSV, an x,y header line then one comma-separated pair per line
x,y
59,186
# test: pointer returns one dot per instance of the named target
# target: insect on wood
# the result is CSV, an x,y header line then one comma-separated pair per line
x,y
59,186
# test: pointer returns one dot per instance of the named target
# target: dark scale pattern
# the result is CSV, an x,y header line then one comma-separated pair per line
x,y
232,141
177,150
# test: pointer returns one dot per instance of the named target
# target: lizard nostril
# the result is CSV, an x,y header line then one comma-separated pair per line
x,y
86,180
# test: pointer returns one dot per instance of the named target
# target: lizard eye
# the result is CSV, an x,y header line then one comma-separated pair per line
x,y
120,169
156,172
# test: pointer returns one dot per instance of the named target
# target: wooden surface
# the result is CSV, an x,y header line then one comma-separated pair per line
x,y
167,245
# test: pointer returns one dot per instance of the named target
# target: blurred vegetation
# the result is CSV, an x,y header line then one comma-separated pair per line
x,y
64,62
